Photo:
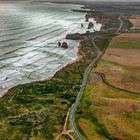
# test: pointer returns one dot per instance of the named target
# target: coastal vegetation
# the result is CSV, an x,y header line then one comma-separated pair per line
x,y
38,110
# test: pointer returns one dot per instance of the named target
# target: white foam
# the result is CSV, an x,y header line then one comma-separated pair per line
x,y
30,34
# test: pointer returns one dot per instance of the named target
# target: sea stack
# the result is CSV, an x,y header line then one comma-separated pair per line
x,y
59,44
90,25
87,18
64,45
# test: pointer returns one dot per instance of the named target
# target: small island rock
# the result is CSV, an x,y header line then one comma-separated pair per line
x,y
64,45
59,44
87,18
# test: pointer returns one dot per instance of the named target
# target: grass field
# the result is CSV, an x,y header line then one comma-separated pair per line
x,y
106,112
121,62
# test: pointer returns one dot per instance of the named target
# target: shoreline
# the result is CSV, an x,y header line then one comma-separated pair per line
x,y
53,97
45,79
41,107
70,62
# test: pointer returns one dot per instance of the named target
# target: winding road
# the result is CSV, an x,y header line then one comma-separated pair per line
x,y
86,73
121,24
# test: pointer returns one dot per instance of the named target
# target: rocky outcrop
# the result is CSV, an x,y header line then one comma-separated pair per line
x,y
87,18
90,25
75,36
83,11
64,45
59,44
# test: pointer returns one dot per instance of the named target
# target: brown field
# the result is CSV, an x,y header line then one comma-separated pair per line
x,y
120,56
117,111
130,36
121,65
135,20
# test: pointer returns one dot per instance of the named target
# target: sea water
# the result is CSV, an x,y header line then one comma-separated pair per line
x,y
29,36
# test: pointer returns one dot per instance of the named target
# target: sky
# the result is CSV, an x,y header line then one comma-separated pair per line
x,y
98,0
76,0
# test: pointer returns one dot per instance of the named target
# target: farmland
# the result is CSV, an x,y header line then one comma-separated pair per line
x,y
110,106
121,62
135,19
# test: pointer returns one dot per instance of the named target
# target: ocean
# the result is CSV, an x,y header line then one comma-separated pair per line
x,y
29,36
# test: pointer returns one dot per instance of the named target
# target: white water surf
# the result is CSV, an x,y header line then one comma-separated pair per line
x,y
29,35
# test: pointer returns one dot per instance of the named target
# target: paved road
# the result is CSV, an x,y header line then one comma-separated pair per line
x,y
86,73
121,24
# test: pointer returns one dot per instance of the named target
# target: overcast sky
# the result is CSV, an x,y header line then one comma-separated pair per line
x,y
73,0
97,0
93,0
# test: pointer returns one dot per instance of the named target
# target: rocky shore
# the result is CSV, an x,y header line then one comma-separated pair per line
x,y
76,36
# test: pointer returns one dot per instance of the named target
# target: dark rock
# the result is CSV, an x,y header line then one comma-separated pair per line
x,y
64,45
75,36
90,25
83,11
59,44
87,18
